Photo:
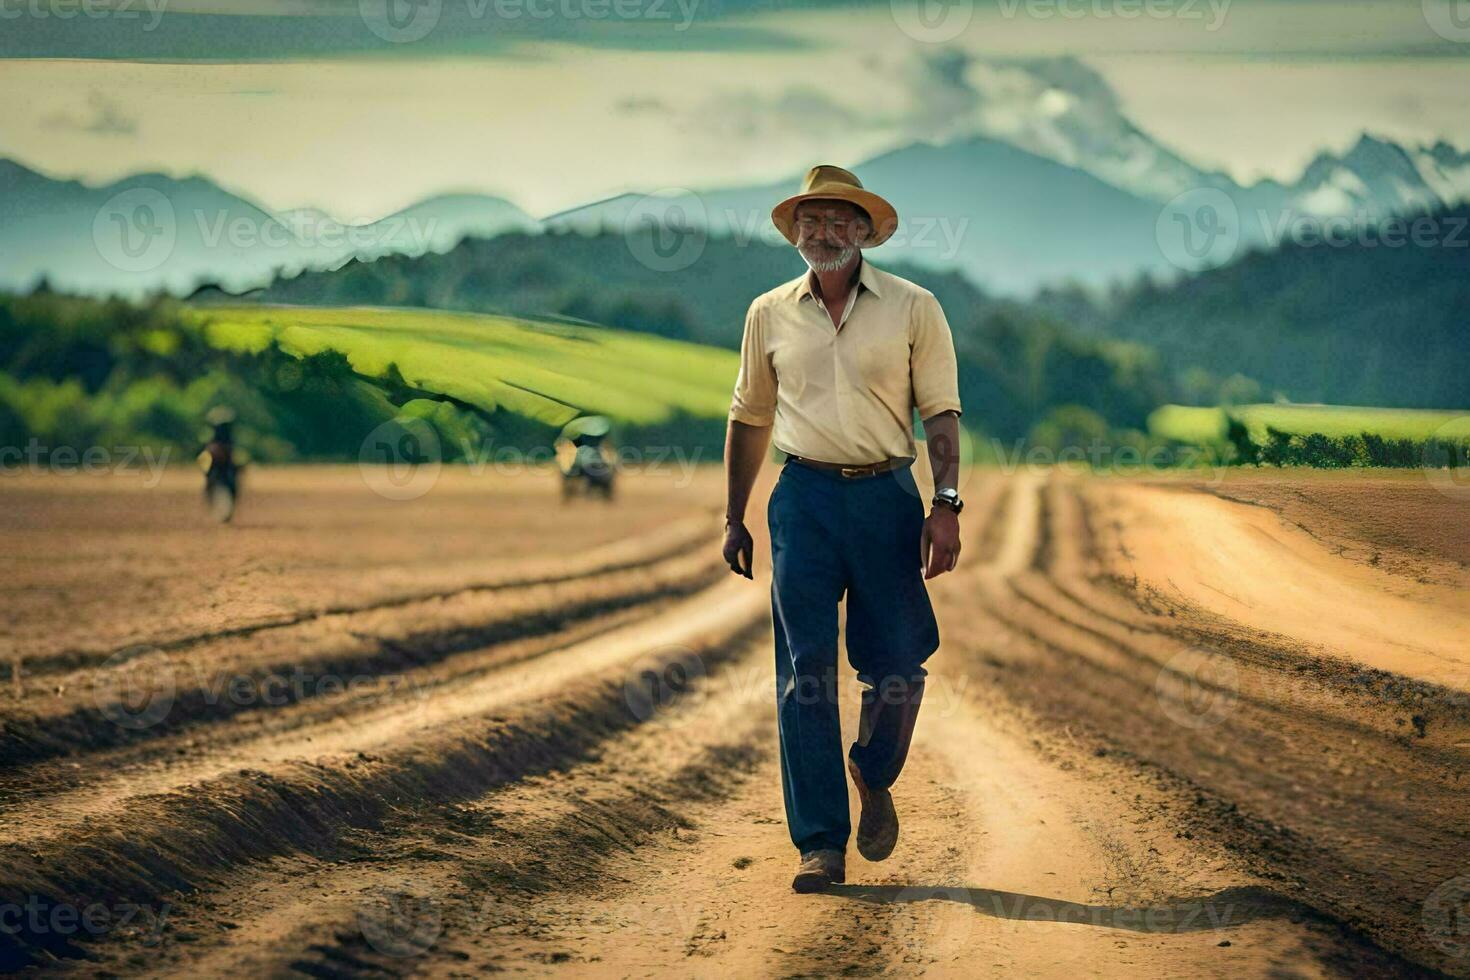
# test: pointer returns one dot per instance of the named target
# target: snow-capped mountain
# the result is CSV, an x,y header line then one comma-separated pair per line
x,y
1445,169
1033,175
1062,109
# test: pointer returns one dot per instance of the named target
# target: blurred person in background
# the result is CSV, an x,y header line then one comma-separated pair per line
x,y
221,462
586,458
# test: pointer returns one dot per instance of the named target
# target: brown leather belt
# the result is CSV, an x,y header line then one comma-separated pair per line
x,y
851,471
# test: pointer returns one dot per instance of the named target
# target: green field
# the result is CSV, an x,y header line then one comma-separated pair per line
x,y
1182,423
547,370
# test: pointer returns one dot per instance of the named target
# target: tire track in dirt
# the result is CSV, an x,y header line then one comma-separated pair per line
x,y
529,718
679,538
1274,758
145,697
43,797
1077,801
484,874
746,707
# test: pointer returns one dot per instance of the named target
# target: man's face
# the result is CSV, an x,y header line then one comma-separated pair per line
x,y
829,233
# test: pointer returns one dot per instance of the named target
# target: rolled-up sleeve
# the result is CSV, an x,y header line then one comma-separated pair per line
x,y
932,367
754,400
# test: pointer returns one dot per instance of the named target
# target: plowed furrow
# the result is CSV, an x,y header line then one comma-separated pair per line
x,y
1275,756
148,696
494,871
49,794
678,538
528,719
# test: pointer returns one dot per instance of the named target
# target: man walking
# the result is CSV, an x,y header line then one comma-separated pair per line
x,y
832,366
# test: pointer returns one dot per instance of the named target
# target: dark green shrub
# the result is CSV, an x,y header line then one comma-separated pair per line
x,y
1277,450
1239,437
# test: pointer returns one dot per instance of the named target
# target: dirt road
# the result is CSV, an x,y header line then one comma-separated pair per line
x,y
1174,728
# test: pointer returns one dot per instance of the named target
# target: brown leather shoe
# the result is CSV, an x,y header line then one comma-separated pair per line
x,y
878,826
818,869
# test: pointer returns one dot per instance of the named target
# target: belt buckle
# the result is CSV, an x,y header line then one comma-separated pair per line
x,y
852,471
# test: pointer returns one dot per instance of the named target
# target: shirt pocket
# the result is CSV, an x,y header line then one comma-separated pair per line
x,y
883,363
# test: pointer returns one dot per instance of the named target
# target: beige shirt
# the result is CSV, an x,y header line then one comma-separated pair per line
x,y
846,393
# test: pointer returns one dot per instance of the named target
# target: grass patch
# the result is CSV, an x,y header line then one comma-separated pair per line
x,y
549,371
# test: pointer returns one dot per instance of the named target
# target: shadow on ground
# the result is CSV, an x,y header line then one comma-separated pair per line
x,y
1223,910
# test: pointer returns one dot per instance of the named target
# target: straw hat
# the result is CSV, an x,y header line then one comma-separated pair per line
x,y
829,183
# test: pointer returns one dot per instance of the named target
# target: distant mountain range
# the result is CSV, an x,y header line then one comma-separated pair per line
x,y
1049,183
1378,322
1061,109
152,231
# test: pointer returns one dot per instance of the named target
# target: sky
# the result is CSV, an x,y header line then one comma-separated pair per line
x,y
364,106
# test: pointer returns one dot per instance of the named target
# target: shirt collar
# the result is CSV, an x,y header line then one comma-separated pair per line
x,y
867,279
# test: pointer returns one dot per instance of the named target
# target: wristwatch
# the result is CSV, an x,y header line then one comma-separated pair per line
x,y
948,497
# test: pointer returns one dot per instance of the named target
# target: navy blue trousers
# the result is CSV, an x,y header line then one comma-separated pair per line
x,y
833,537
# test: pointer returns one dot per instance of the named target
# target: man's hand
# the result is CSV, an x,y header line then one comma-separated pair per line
x,y
940,544
739,545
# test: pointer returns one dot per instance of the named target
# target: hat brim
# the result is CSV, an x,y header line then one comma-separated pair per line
x,y
885,218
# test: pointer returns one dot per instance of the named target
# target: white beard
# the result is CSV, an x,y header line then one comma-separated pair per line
x,y
831,265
